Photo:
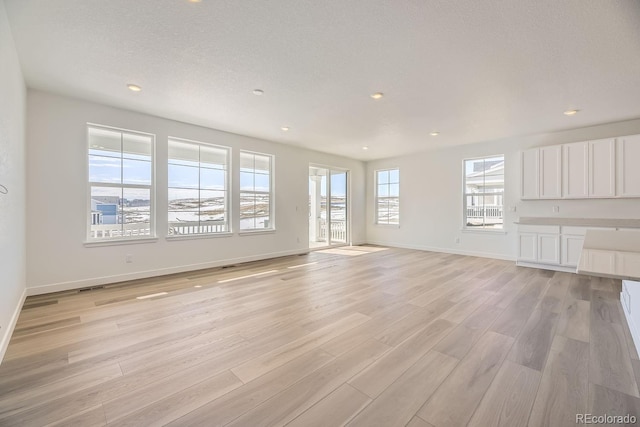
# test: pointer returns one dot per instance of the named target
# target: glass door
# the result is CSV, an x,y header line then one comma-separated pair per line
x,y
318,209
338,208
327,207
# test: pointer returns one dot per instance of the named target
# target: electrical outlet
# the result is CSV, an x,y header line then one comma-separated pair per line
x,y
512,208
128,258
556,209
457,240
298,240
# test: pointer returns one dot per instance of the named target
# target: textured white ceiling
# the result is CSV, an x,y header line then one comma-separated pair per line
x,y
472,70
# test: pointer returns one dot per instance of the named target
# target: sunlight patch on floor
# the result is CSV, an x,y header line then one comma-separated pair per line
x,y
352,251
248,276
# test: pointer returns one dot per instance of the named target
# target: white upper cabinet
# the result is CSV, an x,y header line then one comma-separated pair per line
x,y
542,173
575,170
598,169
551,172
628,166
602,176
530,174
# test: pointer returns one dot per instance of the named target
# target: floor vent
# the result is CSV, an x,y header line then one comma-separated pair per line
x,y
92,288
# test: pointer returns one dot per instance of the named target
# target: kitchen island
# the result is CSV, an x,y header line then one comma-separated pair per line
x,y
616,254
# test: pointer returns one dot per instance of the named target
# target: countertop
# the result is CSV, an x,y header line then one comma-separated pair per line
x,y
609,253
581,222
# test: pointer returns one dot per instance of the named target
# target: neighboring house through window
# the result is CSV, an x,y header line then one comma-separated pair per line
x,y
484,193
388,196
120,184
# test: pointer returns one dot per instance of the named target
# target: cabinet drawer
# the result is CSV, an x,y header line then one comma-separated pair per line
x,y
546,229
574,231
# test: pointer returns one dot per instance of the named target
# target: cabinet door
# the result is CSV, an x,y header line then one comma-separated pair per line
x,y
530,174
528,247
571,249
602,181
628,166
575,177
550,172
549,248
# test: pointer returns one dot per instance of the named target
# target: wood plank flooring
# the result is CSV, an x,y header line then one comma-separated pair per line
x,y
358,336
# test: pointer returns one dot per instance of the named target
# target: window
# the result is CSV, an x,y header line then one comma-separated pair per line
x,y
120,184
256,198
388,196
483,193
198,188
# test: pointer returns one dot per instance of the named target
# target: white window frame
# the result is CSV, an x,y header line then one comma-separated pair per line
x,y
227,189
377,196
92,241
348,222
272,222
482,229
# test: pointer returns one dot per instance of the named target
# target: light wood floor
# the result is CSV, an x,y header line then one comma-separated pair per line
x,y
364,336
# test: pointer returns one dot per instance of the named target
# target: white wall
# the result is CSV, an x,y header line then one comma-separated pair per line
x,y
431,195
12,176
56,199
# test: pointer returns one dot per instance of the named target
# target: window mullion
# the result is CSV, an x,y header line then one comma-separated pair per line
x,y
199,188
255,204
122,183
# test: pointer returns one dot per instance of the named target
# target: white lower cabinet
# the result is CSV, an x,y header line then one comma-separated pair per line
x,y
549,248
571,249
539,244
552,247
528,249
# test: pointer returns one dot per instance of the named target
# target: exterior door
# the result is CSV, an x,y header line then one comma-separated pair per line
x,y
328,207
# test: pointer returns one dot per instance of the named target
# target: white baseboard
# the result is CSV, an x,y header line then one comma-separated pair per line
x,y
98,281
445,250
632,326
104,280
6,334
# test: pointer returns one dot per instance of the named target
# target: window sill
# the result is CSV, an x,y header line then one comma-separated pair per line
x,y
481,231
257,231
198,236
387,225
118,242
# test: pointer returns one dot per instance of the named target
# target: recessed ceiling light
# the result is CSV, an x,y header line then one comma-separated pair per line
x,y
570,112
134,88
377,95
365,148
194,1
284,128
434,133
258,92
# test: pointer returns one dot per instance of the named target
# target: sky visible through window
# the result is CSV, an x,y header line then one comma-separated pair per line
x,y
108,169
338,186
